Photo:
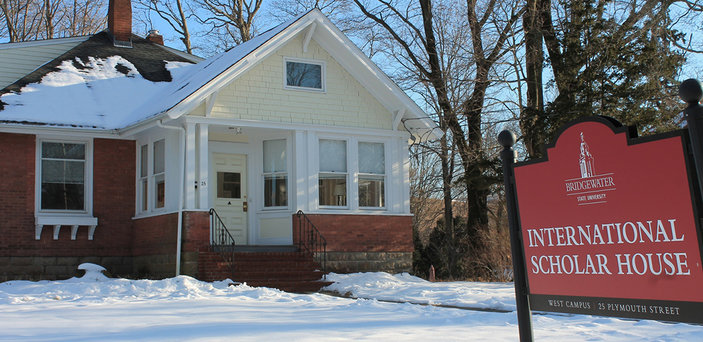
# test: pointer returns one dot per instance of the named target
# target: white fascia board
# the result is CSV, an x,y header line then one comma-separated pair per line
x,y
62,131
287,126
240,67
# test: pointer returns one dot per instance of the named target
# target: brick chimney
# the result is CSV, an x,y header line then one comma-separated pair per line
x,y
155,37
119,22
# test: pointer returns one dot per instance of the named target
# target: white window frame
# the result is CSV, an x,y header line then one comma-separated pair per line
x,y
142,181
348,174
87,178
150,177
323,73
359,175
157,175
286,173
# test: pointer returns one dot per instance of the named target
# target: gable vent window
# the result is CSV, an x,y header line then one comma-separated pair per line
x,y
305,75
63,176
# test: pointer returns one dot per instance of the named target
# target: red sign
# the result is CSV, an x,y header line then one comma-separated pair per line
x,y
607,218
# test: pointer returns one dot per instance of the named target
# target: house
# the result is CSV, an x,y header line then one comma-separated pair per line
x,y
114,149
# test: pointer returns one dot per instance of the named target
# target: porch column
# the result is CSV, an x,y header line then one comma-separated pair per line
x,y
203,167
405,169
300,151
189,200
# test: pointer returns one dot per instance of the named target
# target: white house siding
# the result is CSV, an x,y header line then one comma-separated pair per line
x,y
19,59
259,94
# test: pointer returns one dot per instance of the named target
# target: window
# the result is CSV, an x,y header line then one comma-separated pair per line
x,y
63,171
332,184
275,173
229,185
305,75
144,178
372,170
159,173
151,180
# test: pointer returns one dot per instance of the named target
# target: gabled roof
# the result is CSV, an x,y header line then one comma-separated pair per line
x,y
193,84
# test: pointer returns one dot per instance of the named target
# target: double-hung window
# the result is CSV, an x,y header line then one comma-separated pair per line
x,y
144,178
152,176
332,184
372,175
63,176
159,176
275,174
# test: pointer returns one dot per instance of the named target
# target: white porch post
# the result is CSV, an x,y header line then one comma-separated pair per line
x,y
405,169
203,169
189,202
301,170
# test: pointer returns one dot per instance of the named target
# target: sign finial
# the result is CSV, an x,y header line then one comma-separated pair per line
x,y
690,91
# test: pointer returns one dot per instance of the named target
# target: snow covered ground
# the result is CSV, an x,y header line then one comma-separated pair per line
x,y
94,308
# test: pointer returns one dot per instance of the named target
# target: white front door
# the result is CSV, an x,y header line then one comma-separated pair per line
x,y
230,195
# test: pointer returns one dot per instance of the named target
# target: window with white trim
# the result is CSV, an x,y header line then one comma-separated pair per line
x,y
159,176
372,175
305,75
275,173
143,190
151,183
63,176
332,179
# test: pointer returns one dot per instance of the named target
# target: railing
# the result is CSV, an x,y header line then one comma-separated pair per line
x,y
221,240
309,239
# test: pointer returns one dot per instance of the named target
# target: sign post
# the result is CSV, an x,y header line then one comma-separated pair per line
x,y
690,92
524,316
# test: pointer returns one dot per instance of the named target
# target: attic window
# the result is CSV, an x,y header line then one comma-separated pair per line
x,y
305,75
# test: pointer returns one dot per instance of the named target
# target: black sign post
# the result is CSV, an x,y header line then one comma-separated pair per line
x,y
524,316
691,92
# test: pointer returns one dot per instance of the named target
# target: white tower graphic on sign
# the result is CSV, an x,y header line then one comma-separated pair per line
x,y
585,160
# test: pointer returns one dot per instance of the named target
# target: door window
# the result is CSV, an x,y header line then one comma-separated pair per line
x,y
229,185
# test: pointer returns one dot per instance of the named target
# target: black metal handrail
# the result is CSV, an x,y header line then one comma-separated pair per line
x,y
219,235
310,240
221,240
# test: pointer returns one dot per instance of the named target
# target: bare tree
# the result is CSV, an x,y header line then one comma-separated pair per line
x,y
53,12
418,34
235,18
22,19
176,13
84,17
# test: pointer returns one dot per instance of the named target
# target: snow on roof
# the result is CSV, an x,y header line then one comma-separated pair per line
x,y
109,93
97,93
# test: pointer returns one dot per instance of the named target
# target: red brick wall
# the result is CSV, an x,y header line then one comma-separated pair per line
x,y
155,235
364,233
196,231
113,201
17,156
158,234
114,165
